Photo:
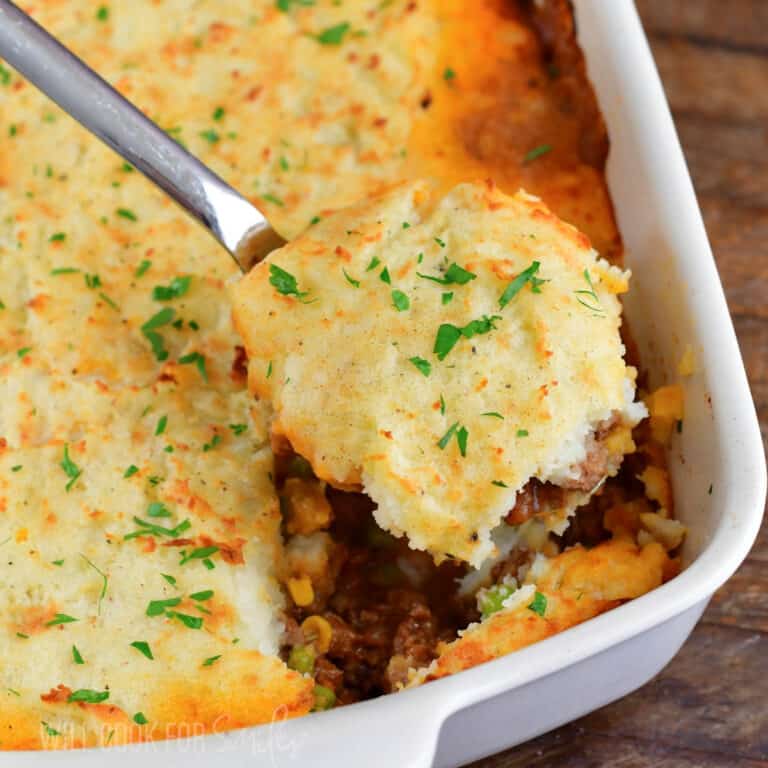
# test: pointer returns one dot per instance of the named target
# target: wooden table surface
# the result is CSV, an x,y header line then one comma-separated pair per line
x,y
709,707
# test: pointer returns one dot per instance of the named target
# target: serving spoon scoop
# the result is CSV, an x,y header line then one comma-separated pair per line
x,y
237,224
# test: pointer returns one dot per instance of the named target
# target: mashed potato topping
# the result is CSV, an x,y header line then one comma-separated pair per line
x,y
440,352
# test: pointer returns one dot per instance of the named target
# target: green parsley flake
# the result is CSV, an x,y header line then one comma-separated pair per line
x,y
158,509
314,220
158,607
400,301
149,330
284,282
104,582
517,284
454,275
442,405
71,470
448,335
351,280
140,718
595,307
211,136
170,579
462,435
449,74
440,242
126,213
274,199
494,414
200,553
150,529
538,604
131,471
202,596
536,153
384,276
196,359
49,731
447,297
238,429
23,352
77,657
110,302
174,290
491,600
374,262
215,440
59,237
446,438
162,423
103,13
64,271
142,646
333,35
191,622
423,365
60,618
522,433
88,696
211,660
142,268
499,483
17,468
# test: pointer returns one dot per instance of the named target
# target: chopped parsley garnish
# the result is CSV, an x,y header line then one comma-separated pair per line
x,y
60,618
158,509
351,280
215,440
448,335
142,646
527,275
126,213
211,660
536,153
442,405
522,433
191,622
274,199
22,636
23,352
49,731
92,281
491,600
314,220
17,468
285,5
238,429
158,607
175,289
126,168
400,300
150,529
149,329
406,225
64,271
59,237
103,13
462,435
58,562
103,296
453,275
538,604
269,370
440,242
218,114
446,438
211,136
384,276
447,297
104,582
284,282
202,596
142,268
494,414
71,470
595,306
374,262
5,75
448,74
77,657
333,35
196,359
88,696
424,366
162,423
140,718
499,483
131,471
284,165
170,579
200,553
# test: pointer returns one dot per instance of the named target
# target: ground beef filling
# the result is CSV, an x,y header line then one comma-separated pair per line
x,y
388,606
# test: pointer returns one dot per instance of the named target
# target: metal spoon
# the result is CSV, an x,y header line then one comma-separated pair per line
x,y
238,225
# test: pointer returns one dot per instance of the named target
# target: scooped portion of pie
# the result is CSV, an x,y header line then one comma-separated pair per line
x,y
457,358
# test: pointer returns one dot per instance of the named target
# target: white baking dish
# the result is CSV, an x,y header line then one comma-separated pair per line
x,y
718,467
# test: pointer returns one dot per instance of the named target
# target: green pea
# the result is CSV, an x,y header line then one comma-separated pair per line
x,y
325,698
302,659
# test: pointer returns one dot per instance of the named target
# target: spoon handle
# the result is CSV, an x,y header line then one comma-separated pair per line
x,y
238,225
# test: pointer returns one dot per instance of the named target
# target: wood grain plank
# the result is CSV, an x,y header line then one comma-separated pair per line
x,y
739,24
743,602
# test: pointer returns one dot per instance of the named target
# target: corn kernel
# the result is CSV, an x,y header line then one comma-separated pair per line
x,y
317,631
666,408
301,591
